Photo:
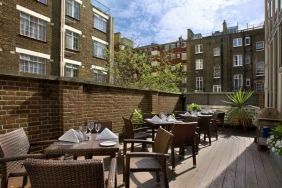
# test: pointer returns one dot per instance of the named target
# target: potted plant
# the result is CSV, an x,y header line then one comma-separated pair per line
x,y
238,115
193,107
274,142
137,117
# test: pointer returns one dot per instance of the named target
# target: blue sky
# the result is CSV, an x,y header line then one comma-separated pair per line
x,y
161,21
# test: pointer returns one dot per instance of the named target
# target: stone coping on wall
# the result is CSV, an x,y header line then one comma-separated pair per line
x,y
85,82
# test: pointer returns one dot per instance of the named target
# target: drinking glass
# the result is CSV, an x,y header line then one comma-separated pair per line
x,y
97,127
91,126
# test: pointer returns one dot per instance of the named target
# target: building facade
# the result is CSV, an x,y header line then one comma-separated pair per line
x,y
66,38
120,43
273,66
226,61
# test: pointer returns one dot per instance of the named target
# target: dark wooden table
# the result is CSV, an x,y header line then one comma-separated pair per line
x,y
91,147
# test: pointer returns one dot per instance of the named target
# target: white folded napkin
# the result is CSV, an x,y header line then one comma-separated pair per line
x,y
156,119
70,136
106,134
187,114
170,118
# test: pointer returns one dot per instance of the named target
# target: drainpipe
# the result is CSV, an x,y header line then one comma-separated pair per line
x,y
62,46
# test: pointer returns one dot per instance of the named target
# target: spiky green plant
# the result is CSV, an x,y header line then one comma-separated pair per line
x,y
239,115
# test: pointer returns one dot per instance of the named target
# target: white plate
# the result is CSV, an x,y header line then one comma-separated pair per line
x,y
108,143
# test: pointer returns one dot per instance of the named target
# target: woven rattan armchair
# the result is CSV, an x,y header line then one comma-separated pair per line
x,y
14,148
70,173
131,133
155,161
184,135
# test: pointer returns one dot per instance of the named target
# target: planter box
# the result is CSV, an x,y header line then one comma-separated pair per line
x,y
277,159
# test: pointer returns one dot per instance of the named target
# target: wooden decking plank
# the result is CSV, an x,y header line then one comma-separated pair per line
x,y
240,175
251,179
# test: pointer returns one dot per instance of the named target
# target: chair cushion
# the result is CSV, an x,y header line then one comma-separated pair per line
x,y
141,135
144,163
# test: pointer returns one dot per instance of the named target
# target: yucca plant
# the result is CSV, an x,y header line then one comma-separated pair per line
x,y
239,115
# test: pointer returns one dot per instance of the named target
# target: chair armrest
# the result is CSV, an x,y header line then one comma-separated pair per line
x,y
22,157
146,154
43,142
111,182
125,141
141,129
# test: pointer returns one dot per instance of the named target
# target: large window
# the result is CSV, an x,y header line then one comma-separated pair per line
x,y
237,81
71,40
237,42
100,76
237,60
99,50
216,72
260,45
247,41
71,70
198,48
199,84
32,27
100,23
260,68
216,51
184,56
199,64
216,88
259,87
32,64
72,9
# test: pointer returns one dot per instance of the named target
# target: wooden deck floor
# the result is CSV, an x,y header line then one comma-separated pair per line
x,y
231,161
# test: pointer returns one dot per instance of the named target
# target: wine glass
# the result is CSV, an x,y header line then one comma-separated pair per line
x,y
97,127
91,126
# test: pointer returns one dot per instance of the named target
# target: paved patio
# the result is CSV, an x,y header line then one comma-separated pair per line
x,y
232,161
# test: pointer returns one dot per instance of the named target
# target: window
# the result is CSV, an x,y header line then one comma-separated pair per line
x,y
184,56
237,81
216,51
178,45
259,87
260,45
183,44
100,76
237,60
71,40
43,1
184,68
32,27
172,46
99,50
178,56
216,88
32,64
247,41
172,56
100,23
199,64
199,84
166,48
247,59
71,70
216,72
237,42
260,68
248,82
198,49
72,9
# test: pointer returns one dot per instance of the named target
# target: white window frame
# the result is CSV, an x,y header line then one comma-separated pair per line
x,y
73,70
100,74
247,41
259,45
237,60
183,56
216,88
100,23
99,49
71,40
32,64
237,81
260,68
184,68
248,82
172,56
216,51
199,83
199,48
178,55
199,64
73,4
237,42
217,72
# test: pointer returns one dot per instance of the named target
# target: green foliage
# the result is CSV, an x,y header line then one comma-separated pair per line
x,y
194,107
275,140
133,69
239,115
137,116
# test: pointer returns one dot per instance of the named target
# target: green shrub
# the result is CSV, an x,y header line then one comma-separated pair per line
x,y
194,107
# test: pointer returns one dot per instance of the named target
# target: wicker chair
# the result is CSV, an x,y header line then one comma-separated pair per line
x,y
204,123
14,148
131,133
155,161
184,135
70,173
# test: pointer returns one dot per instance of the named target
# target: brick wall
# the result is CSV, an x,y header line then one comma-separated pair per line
x,y
46,107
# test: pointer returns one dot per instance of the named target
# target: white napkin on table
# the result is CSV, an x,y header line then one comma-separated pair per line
x,y
187,114
70,136
156,119
106,134
170,118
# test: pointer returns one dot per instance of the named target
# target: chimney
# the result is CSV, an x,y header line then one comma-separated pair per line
x,y
190,34
224,25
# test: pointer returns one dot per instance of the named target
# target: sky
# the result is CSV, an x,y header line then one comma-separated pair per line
x,y
161,21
